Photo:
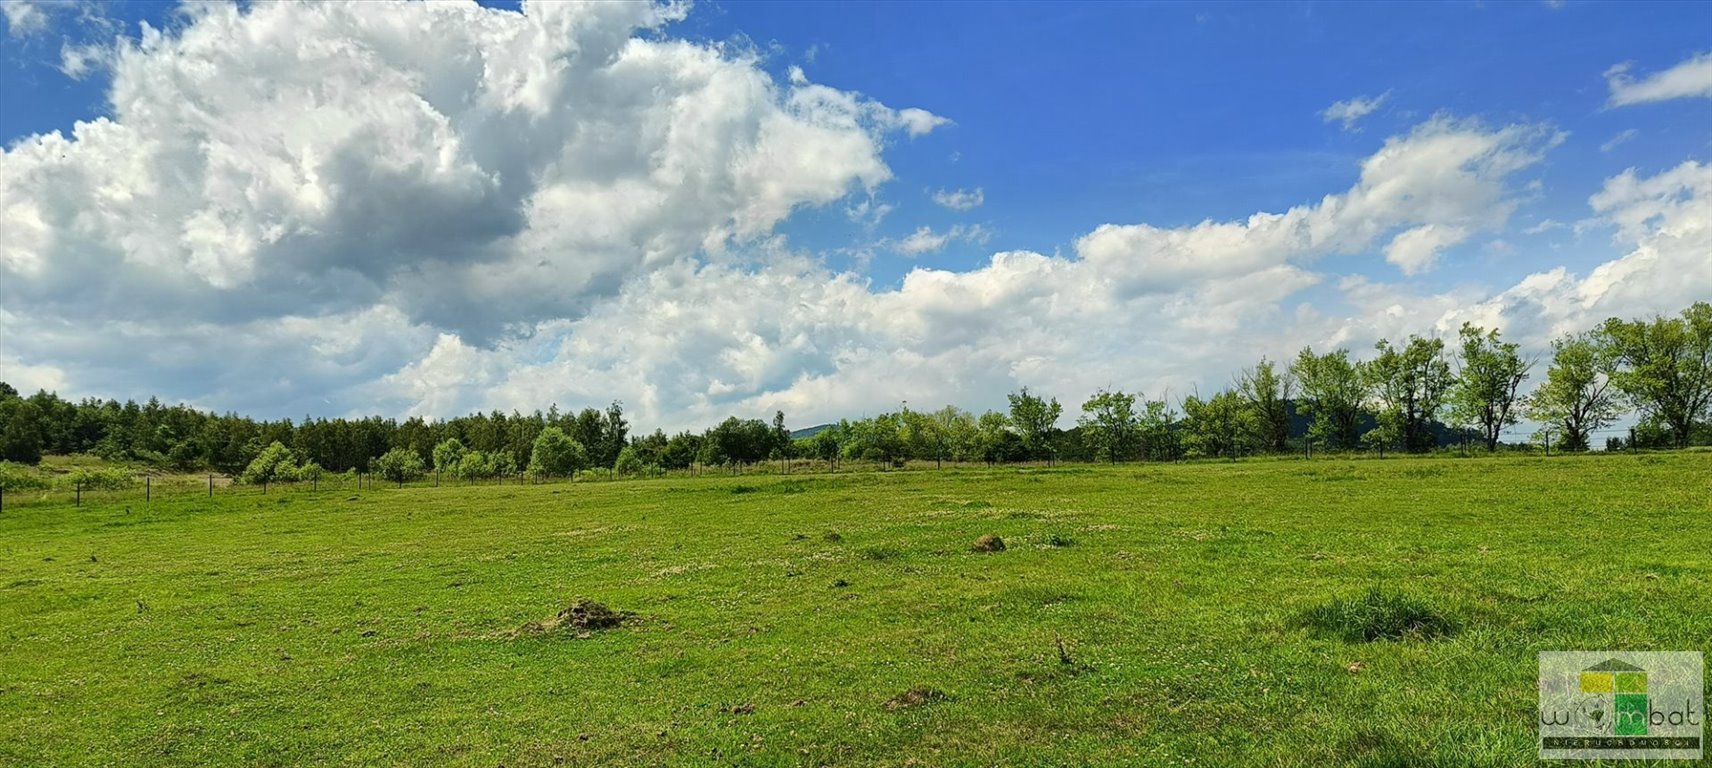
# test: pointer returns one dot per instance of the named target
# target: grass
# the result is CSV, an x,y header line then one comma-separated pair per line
x,y
1257,613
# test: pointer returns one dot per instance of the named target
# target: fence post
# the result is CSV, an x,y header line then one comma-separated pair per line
x,y
264,486
210,486
80,493
148,489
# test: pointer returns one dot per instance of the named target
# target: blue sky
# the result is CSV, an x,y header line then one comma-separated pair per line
x,y
1066,118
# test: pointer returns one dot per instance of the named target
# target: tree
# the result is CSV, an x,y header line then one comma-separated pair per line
x,y
1109,420
1576,395
1268,394
1222,425
1034,419
1332,395
1664,366
1157,429
400,465
274,464
995,440
1409,385
448,455
555,454
628,461
1485,389
20,431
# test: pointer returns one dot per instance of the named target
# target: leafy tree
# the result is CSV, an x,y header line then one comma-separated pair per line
x,y
274,464
1157,429
1109,420
555,454
20,431
827,444
996,440
628,462
1034,420
400,465
448,455
1664,366
1485,390
681,450
1268,393
1222,425
1409,386
1576,395
1332,395
310,472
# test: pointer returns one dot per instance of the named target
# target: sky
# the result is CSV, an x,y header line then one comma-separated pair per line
x,y
722,208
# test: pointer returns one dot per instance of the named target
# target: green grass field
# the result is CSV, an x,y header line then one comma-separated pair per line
x,y
786,620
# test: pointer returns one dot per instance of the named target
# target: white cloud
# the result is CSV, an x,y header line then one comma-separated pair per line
x,y
1451,174
23,17
925,240
1620,139
1690,79
960,199
1415,250
432,208
475,168
1350,112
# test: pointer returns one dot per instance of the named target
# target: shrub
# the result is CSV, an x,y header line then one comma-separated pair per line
x,y
17,477
400,465
449,456
96,480
628,462
556,454
274,464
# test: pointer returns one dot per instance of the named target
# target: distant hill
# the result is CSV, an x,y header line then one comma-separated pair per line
x,y
808,432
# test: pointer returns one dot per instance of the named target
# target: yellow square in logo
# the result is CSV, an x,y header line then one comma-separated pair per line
x,y
1631,682
1596,682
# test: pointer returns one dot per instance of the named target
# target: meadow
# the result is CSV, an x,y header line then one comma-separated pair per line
x,y
1288,612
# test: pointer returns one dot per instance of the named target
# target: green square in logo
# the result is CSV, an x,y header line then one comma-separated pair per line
x,y
1631,714
1631,682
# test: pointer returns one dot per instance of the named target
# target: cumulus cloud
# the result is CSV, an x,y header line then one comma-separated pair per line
x,y
1448,175
477,169
1415,250
433,208
1350,112
960,199
1690,79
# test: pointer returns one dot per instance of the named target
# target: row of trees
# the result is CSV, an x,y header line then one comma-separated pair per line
x,y
1410,396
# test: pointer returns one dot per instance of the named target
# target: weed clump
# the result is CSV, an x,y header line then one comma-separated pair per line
x,y
988,543
1059,540
1380,615
915,697
583,618
832,537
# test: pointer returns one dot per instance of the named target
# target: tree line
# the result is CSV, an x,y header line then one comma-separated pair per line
x,y
1411,396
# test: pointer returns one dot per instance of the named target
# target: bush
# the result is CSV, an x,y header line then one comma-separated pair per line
x,y
274,464
97,480
400,465
310,472
556,454
18,477
628,462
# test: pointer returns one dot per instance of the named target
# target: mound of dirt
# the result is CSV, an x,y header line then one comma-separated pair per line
x,y
915,697
989,543
582,618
